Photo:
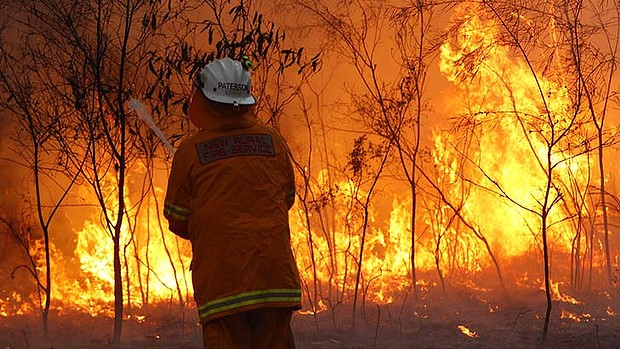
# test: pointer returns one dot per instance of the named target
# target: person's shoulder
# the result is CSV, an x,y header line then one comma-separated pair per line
x,y
197,137
267,129
188,144
273,132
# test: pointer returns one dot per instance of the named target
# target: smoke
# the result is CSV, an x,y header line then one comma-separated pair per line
x,y
138,107
14,173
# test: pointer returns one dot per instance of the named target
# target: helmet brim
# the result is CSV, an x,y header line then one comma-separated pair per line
x,y
245,101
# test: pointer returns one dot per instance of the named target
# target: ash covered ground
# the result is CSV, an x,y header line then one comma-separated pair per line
x,y
457,320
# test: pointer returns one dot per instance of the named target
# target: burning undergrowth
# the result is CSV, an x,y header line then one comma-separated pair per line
x,y
461,317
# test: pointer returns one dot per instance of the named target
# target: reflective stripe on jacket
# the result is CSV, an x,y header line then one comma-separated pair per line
x,y
261,297
234,188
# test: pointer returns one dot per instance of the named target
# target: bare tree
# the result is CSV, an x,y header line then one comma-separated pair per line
x,y
413,23
91,58
365,177
592,42
592,69
555,137
38,124
392,107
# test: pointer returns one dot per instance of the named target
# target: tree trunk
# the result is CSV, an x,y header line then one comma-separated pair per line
x,y
601,166
547,278
118,290
48,284
414,277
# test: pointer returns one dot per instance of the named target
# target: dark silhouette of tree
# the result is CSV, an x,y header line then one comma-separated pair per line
x,y
88,58
39,128
555,136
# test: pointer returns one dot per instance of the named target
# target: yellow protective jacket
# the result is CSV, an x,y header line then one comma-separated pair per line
x,y
234,188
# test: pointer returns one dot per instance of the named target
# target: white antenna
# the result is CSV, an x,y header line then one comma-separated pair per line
x,y
143,115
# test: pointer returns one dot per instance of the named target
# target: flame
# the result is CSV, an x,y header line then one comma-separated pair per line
x,y
385,265
466,331
568,315
154,262
15,304
575,317
558,296
610,312
500,99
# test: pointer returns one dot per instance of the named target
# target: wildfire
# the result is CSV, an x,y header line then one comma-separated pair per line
x,y
155,264
503,156
386,262
506,159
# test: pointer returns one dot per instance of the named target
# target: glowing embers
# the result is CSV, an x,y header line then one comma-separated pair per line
x,y
575,317
579,314
321,307
610,312
466,331
16,305
138,318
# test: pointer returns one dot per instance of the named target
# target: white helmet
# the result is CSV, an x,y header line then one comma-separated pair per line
x,y
227,81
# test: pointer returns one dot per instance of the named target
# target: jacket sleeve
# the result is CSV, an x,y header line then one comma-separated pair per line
x,y
178,194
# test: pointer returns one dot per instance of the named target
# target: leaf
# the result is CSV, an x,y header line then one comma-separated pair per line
x,y
145,21
299,52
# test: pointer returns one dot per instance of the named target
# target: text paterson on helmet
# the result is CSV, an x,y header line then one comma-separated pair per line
x,y
232,86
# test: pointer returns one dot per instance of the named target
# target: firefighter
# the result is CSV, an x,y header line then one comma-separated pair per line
x,y
230,188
